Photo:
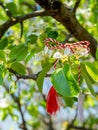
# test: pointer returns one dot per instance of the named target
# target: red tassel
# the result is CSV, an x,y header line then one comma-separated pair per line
x,y
52,105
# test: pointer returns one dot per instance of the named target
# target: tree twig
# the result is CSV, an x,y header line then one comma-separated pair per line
x,y
19,19
67,38
22,115
76,5
8,13
32,76
17,100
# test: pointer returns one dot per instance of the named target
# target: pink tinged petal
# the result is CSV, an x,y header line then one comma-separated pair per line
x,y
80,107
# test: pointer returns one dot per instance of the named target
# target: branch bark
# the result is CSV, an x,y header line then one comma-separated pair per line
x,y
76,5
62,14
32,76
22,115
4,27
67,18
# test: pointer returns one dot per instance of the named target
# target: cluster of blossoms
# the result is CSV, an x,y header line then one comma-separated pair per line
x,y
59,51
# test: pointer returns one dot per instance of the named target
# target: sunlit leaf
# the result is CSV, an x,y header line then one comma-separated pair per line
x,y
64,82
41,76
92,70
11,6
87,80
97,54
35,110
18,67
32,38
69,101
1,73
3,43
2,55
18,53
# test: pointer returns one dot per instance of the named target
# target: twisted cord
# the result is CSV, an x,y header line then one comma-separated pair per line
x,y
73,46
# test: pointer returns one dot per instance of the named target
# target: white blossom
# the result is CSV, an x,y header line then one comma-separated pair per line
x,y
57,55
67,51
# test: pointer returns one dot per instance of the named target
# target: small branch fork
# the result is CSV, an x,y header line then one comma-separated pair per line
x,y
20,19
76,5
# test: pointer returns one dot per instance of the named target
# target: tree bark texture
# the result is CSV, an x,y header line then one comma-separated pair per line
x,y
59,11
67,18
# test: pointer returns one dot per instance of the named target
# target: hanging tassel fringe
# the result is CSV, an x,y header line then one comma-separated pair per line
x,y
52,105
80,107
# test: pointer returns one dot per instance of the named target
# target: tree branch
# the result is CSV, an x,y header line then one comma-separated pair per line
x,y
62,14
67,38
76,5
67,18
32,76
19,19
22,115
17,100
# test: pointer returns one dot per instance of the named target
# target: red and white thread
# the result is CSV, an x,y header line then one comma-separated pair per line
x,y
79,74
73,46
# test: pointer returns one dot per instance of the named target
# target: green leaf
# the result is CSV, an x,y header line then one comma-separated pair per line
x,y
35,110
71,80
11,6
41,76
18,53
32,38
53,34
18,67
3,115
2,55
32,52
87,80
92,70
64,82
48,30
3,43
1,74
69,101
97,54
